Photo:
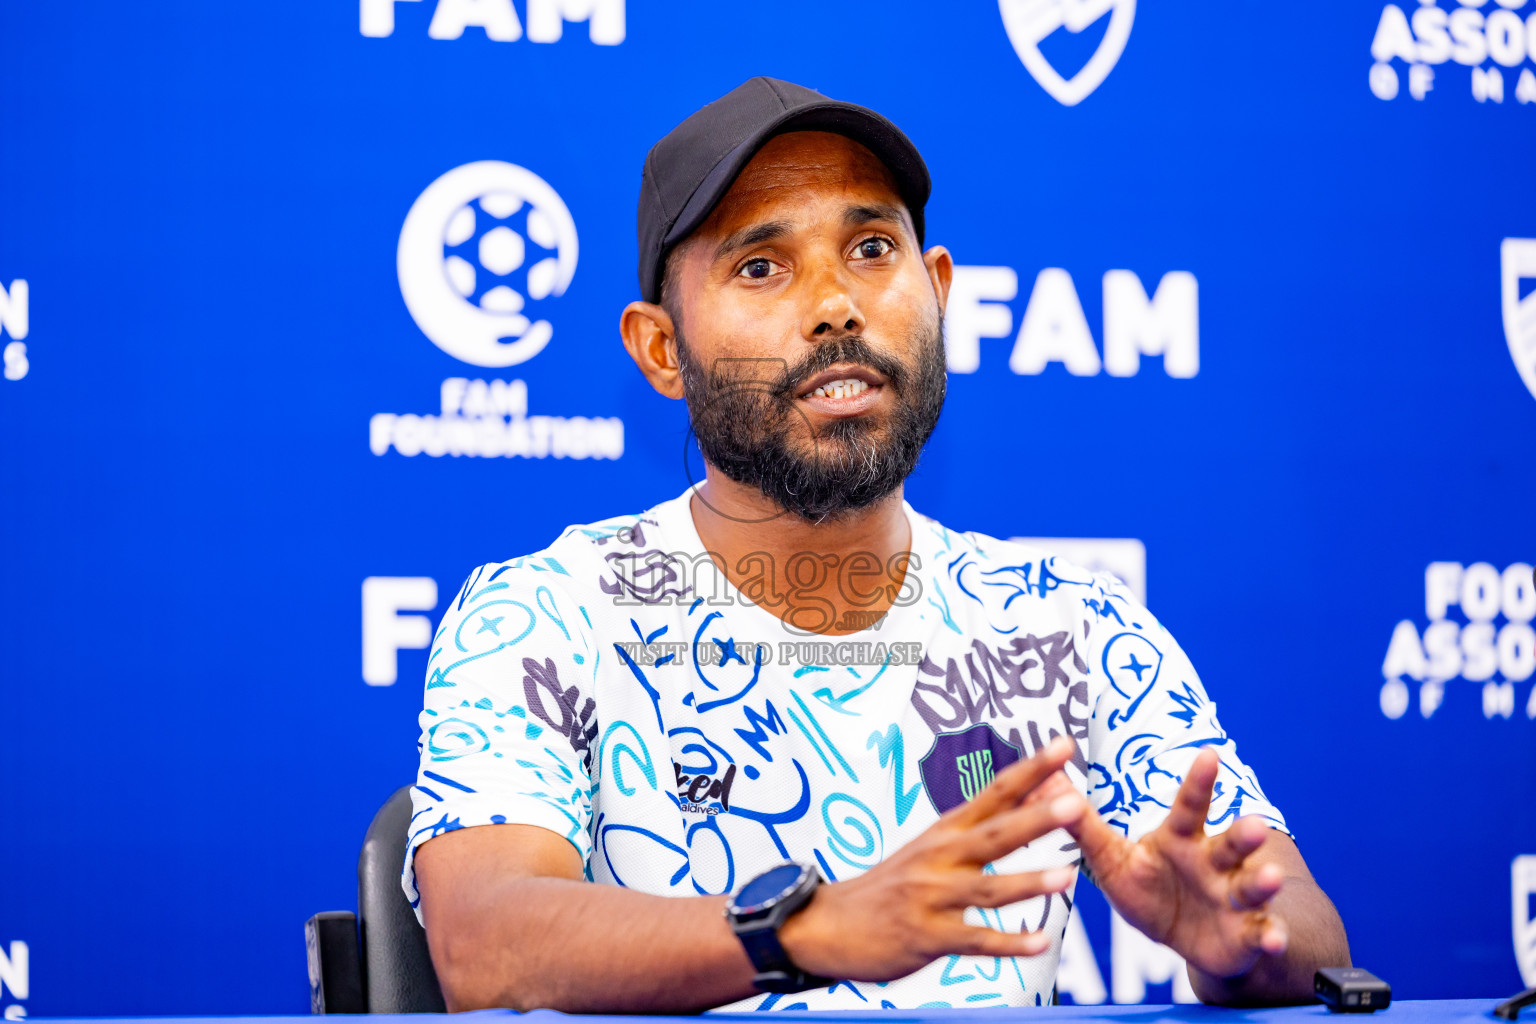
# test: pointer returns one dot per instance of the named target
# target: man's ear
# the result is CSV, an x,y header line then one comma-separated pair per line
x,y
650,337
941,270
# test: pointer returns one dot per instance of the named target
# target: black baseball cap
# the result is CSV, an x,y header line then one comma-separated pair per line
x,y
693,166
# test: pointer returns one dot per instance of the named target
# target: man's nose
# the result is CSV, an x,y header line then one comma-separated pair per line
x,y
833,309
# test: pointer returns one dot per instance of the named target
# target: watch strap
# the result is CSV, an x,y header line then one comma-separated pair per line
x,y
776,971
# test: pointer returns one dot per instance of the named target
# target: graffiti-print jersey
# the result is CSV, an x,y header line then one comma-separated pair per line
x,y
616,690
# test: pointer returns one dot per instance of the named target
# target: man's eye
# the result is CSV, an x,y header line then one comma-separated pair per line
x,y
873,248
756,268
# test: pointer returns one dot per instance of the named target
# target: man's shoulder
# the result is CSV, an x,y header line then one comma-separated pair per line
x,y
577,557
1037,564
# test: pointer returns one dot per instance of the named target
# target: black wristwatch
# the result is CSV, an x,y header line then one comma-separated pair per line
x,y
756,913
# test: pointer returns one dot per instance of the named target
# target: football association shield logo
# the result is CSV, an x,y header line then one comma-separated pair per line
x,y
1518,256
1030,22
1524,894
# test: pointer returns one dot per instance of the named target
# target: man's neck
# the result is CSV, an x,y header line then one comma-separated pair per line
x,y
767,553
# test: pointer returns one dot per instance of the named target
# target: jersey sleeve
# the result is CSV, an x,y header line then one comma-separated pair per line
x,y
508,719
1150,718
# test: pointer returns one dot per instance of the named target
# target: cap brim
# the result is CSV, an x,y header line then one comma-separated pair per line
x,y
861,124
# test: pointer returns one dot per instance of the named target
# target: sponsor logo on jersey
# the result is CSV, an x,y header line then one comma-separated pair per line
x,y
695,786
1030,23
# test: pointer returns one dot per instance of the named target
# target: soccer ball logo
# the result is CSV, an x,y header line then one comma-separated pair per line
x,y
481,249
485,248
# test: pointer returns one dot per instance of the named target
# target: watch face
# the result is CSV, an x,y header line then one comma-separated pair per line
x,y
767,886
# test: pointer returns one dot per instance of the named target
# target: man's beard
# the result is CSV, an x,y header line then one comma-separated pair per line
x,y
744,416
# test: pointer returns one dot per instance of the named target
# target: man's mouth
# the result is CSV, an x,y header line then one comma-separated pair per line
x,y
843,390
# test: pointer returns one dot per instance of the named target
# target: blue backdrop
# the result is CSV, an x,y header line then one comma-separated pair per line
x,y
1247,283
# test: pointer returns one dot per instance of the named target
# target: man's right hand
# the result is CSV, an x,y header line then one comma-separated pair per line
x,y
908,910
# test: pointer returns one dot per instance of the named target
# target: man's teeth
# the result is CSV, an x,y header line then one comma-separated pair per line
x,y
841,389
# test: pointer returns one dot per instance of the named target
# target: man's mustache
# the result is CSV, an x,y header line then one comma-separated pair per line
x,y
852,349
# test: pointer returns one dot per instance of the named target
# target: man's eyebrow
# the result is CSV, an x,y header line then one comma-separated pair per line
x,y
772,230
757,234
863,214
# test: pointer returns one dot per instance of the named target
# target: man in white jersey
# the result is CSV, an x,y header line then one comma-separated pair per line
x,y
782,741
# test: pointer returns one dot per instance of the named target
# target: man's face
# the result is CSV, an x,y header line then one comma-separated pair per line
x,y
808,328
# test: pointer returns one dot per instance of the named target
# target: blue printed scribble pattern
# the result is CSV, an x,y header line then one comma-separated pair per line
x,y
687,775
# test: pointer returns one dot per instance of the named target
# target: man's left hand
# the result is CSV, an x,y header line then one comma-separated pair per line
x,y
1200,895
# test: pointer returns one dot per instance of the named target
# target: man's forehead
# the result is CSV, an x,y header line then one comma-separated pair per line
x,y
796,170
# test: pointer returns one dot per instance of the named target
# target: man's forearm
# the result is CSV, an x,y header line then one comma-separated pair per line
x,y
579,947
1316,940
512,923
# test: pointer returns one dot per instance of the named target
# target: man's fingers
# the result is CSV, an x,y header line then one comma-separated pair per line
x,y
1187,815
1233,846
1016,781
1001,890
1100,844
1003,833
972,941
1253,887
1055,786
1266,933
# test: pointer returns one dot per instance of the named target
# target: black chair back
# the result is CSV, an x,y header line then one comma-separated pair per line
x,y
397,968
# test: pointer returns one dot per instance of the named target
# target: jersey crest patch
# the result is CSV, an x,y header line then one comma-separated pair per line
x,y
962,764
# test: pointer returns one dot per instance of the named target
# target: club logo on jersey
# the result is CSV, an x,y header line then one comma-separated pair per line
x,y
961,764
1518,258
975,769
481,250
1031,22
